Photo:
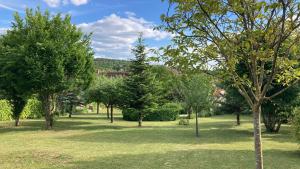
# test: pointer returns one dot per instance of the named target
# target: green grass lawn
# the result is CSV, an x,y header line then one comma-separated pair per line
x,y
91,142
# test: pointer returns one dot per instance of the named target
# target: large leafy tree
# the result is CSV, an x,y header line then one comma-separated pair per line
x,y
262,34
281,108
233,102
137,86
14,81
57,55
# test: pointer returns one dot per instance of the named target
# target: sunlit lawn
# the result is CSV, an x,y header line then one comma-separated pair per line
x,y
89,141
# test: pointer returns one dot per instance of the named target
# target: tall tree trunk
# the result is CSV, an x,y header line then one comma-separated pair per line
x,y
189,112
140,119
238,122
111,114
46,105
98,107
18,106
197,125
257,136
107,111
71,111
17,121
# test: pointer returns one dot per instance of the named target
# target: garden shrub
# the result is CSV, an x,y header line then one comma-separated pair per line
x,y
32,110
296,124
5,110
184,121
167,112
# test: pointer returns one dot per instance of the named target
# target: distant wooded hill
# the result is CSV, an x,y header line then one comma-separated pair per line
x,y
104,64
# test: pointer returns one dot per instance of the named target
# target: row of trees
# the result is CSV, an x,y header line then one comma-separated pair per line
x,y
45,55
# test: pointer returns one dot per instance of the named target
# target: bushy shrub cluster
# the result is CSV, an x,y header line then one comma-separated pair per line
x,y
166,112
5,110
32,110
296,124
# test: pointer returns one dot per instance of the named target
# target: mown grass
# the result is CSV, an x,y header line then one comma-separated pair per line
x,y
91,142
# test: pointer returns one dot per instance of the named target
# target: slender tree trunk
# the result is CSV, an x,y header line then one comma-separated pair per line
x,y
140,119
238,122
197,125
71,111
107,111
45,99
17,121
189,113
18,106
257,136
98,107
111,114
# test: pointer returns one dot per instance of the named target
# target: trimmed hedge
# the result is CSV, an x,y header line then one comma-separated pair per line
x,y
167,112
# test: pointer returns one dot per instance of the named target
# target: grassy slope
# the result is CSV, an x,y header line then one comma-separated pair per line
x,y
88,142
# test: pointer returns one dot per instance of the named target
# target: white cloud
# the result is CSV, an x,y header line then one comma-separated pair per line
x,y
56,3
114,36
53,3
79,2
3,30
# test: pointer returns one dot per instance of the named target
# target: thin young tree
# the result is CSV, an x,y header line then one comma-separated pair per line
x,y
262,34
197,91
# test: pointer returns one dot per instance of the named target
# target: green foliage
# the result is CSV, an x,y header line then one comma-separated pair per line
x,y
280,109
138,89
197,91
166,112
32,110
53,56
184,121
165,84
104,64
105,90
5,110
296,124
233,101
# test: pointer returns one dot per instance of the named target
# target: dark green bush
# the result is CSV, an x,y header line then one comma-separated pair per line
x,y
167,112
5,110
296,124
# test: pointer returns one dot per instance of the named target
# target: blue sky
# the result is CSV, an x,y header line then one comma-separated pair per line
x,y
115,23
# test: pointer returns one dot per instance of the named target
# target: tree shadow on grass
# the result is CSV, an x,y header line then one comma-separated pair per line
x,y
164,135
191,159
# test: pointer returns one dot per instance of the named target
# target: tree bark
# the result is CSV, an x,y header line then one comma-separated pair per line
x,y
238,122
197,126
257,136
140,119
189,113
107,111
17,121
45,99
98,107
71,111
111,114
